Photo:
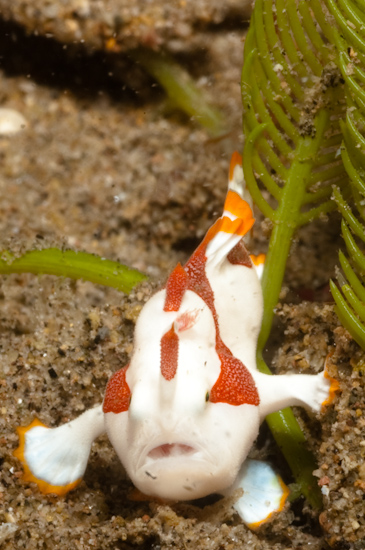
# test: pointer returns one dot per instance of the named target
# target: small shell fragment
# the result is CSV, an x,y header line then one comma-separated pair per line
x,y
11,122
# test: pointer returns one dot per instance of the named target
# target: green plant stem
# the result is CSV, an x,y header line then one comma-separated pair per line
x,y
286,218
181,89
75,265
292,443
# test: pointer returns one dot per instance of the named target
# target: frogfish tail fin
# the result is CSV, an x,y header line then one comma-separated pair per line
x,y
237,218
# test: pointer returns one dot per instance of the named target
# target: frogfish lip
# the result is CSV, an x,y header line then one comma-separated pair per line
x,y
172,453
168,450
175,470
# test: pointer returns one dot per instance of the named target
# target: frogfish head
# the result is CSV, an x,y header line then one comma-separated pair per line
x,y
175,441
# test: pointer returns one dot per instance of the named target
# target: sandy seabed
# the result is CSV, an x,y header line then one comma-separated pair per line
x,y
104,165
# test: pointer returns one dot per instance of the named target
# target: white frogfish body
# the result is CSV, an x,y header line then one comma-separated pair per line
x,y
183,415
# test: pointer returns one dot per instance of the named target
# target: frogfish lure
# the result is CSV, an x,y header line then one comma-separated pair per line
x,y
183,415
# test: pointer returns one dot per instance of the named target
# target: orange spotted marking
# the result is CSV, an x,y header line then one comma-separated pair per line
x,y
235,384
44,487
175,288
169,354
117,394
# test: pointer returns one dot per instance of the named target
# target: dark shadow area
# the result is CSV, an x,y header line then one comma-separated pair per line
x,y
187,245
85,72
73,67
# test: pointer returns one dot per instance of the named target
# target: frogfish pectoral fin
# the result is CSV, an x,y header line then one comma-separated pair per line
x,y
55,459
264,493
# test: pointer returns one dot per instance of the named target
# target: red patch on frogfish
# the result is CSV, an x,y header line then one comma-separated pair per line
x,y
175,288
235,384
117,394
239,255
169,354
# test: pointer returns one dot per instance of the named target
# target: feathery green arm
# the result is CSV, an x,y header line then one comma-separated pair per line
x,y
335,172
356,179
350,44
314,213
353,301
291,155
347,214
354,251
248,154
354,281
347,316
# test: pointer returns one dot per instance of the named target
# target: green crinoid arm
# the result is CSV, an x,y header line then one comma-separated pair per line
x,y
293,101
349,37
75,265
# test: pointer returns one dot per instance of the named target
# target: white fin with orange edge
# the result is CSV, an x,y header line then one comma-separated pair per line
x,y
264,493
55,459
237,218
334,385
312,391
